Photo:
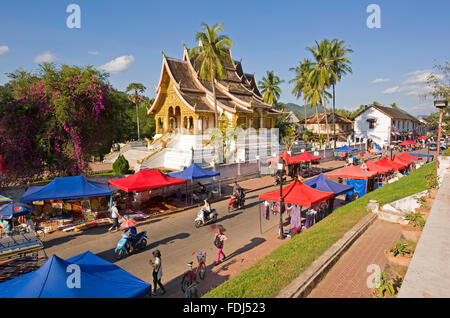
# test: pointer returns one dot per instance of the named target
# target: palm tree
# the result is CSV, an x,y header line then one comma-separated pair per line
x,y
136,98
321,73
300,81
340,66
269,88
210,56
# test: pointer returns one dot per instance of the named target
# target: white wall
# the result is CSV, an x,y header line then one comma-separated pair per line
x,y
380,133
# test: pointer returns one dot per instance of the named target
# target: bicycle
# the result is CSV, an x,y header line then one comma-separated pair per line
x,y
201,270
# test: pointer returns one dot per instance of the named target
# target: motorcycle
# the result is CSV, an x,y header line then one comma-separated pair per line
x,y
124,245
236,202
202,220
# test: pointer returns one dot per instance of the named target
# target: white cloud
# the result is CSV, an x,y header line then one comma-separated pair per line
x,y
419,77
94,52
45,57
392,90
4,50
380,80
119,64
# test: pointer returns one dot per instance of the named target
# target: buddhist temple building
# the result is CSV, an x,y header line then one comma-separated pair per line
x,y
184,103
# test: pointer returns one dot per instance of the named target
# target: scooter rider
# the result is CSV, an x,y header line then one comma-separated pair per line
x,y
206,209
132,236
237,191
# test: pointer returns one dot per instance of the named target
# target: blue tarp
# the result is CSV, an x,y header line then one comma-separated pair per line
x,y
419,155
344,149
12,209
359,186
4,199
193,172
66,188
55,279
322,183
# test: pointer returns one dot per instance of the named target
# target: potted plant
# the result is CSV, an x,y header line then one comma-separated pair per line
x,y
423,207
413,230
384,284
398,257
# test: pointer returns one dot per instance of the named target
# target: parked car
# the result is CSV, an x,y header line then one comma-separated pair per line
x,y
432,147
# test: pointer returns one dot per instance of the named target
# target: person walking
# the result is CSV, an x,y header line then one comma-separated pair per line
x,y
218,242
115,216
157,273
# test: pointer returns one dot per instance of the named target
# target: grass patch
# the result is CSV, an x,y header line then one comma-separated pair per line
x,y
270,275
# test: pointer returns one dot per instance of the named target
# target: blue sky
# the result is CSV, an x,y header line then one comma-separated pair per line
x,y
128,36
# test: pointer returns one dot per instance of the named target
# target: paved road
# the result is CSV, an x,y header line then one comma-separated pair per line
x,y
176,237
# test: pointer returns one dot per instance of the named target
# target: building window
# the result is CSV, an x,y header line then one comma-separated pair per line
x,y
371,122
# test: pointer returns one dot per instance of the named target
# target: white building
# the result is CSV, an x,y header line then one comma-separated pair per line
x,y
385,125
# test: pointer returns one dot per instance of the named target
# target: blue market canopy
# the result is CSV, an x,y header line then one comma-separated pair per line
x,y
193,172
4,199
66,188
345,149
10,210
419,155
58,279
322,183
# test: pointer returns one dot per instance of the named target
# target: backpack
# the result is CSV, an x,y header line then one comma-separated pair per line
x,y
218,242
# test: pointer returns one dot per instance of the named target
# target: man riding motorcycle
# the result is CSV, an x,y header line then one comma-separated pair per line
x,y
132,237
238,192
206,209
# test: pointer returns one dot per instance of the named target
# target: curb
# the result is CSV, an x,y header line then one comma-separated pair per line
x,y
305,283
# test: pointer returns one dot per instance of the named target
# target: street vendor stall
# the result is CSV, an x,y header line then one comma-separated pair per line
x,y
362,181
322,183
385,162
343,152
383,172
143,186
69,203
4,200
299,195
194,172
96,278
308,159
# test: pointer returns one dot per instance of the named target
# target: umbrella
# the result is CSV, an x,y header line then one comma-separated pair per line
x,y
216,228
128,223
10,210
407,143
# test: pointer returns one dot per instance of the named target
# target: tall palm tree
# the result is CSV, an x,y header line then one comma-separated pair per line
x,y
321,73
269,87
135,98
300,81
341,66
210,56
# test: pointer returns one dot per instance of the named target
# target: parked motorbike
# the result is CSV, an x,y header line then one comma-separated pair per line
x,y
124,245
201,219
236,202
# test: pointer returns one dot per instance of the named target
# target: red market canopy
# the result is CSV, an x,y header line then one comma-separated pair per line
x,y
373,166
352,172
288,160
305,157
407,156
422,137
385,162
407,143
401,161
298,193
145,180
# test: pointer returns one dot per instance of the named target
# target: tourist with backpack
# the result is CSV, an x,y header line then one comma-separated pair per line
x,y
218,242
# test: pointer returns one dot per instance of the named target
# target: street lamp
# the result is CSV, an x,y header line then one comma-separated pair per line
x,y
440,104
280,180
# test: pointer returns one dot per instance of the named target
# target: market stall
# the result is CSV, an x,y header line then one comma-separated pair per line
x,y
307,159
343,152
409,163
385,162
382,171
298,195
322,183
69,203
143,187
194,172
362,181
97,279
4,200
291,163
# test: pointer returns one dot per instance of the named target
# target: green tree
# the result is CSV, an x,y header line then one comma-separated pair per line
x,y
136,98
269,86
301,82
340,66
321,74
210,56
121,165
394,106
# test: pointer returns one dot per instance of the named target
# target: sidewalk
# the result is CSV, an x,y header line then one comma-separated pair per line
x,y
348,277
